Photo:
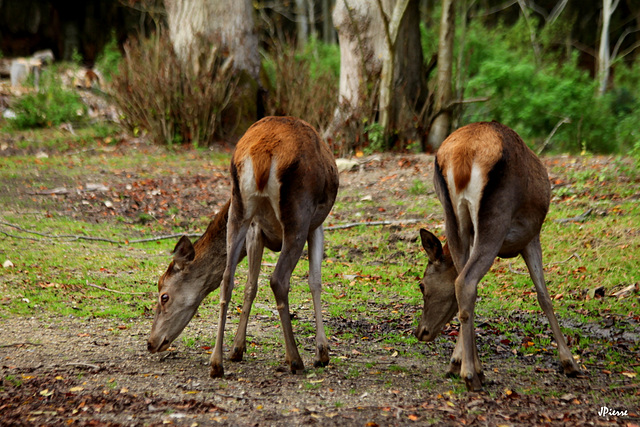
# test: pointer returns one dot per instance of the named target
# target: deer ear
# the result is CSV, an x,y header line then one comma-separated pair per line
x,y
431,245
183,253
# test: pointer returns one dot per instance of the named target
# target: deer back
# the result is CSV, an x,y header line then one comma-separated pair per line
x,y
487,178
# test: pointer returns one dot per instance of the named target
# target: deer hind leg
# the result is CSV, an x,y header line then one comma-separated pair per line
x,y
236,232
532,255
255,249
316,245
292,245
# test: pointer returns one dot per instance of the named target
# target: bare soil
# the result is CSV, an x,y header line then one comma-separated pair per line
x,y
93,371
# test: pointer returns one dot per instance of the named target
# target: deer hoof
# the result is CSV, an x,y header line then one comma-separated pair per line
x,y
297,367
237,354
570,369
216,371
473,382
320,363
454,369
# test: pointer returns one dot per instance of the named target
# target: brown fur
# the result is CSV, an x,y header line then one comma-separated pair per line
x,y
272,137
480,142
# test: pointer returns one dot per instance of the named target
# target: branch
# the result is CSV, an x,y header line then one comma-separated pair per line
x,y
580,218
118,292
616,48
546,141
19,344
371,223
73,237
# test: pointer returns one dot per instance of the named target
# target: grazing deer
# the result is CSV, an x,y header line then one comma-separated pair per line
x,y
284,183
495,193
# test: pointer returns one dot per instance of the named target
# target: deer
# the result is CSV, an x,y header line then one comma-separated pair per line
x,y
495,194
284,182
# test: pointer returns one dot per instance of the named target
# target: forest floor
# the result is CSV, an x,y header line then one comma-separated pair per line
x,y
65,370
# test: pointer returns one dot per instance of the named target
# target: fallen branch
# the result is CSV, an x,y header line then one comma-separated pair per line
x,y
573,255
372,223
580,218
73,237
18,344
117,292
89,365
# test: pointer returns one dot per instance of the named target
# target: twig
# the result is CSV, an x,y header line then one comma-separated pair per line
x,y
372,223
19,237
553,131
579,218
73,237
94,367
117,292
18,344
573,255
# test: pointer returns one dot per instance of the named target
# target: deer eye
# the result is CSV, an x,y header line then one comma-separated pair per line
x,y
164,298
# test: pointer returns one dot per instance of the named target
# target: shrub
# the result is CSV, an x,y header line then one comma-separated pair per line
x,y
51,105
173,102
533,98
301,85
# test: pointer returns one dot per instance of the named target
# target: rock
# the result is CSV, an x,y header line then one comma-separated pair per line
x,y
346,165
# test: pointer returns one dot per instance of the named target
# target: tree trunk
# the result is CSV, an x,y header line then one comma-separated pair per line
x,y
365,36
227,22
440,127
604,58
302,22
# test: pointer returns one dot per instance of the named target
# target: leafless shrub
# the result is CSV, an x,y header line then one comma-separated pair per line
x,y
174,102
299,92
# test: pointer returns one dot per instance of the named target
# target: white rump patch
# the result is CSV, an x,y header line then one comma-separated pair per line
x,y
466,203
254,200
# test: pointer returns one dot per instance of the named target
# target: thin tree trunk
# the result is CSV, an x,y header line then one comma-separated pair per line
x,y
386,78
440,127
302,22
604,58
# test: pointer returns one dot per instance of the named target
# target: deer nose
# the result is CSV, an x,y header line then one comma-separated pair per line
x,y
150,347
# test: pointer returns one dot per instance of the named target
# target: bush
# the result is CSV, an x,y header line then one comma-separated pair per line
x,y
51,105
174,103
535,98
304,83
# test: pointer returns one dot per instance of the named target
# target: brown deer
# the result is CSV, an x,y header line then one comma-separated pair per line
x,y
495,193
284,183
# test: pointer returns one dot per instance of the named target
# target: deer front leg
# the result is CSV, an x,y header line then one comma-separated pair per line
x,y
316,245
291,249
235,238
255,249
532,255
466,285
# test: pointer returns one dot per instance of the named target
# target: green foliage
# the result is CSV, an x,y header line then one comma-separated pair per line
x,y
109,60
50,105
537,96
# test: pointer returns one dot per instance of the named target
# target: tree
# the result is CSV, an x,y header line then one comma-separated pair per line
x,y
604,57
442,122
202,31
198,26
380,59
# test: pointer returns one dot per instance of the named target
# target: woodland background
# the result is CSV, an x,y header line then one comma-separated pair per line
x,y
371,75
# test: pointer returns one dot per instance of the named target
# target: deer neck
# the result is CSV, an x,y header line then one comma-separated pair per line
x,y
211,252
